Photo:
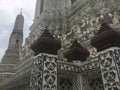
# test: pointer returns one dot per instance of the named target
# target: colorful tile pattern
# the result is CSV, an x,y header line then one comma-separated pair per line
x,y
115,54
44,74
36,74
109,69
81,68
50,72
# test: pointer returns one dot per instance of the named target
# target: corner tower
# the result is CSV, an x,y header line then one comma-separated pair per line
x,y
15,42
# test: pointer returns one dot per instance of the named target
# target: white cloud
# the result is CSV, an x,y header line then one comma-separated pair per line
x,y
9,9
4,34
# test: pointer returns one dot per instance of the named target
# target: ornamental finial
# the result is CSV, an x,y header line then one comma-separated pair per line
x,y
21,11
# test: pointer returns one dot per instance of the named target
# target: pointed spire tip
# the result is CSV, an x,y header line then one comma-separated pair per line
x,y
21,11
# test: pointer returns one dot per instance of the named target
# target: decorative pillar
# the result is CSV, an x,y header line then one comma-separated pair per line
x,y
36,74
109,69
76,81
49,72
116,57
107,43
45,48
80,82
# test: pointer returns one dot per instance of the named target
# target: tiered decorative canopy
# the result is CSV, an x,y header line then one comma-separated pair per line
x,y
106,38
46,44
76,52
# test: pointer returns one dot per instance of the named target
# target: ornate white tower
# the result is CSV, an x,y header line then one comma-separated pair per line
x,y
50,7
15,42
46,14
40,8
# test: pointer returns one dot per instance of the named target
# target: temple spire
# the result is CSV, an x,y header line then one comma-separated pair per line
x,y
19,22
15,42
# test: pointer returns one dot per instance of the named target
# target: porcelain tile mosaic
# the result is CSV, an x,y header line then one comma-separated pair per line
x,y
109,69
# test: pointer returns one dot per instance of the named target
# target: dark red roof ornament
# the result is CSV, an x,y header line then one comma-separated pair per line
x,y
46,33
46,43
76,52
106,38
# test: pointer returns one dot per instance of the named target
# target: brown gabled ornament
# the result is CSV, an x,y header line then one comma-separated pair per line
x,y
46,43
106,38
76,52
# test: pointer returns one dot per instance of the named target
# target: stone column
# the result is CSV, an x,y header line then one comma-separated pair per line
x,y
107,43
44,74
49,72
77,85
80,82
109,65
36,74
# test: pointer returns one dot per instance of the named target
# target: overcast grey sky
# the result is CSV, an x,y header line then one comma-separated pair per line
x,y
9,9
